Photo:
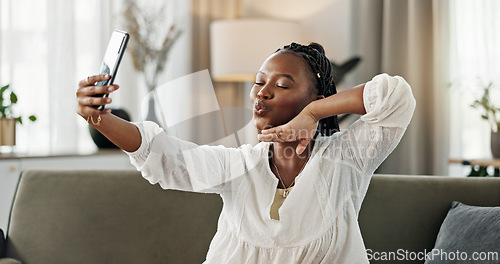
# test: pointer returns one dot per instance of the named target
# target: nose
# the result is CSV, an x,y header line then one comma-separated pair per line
x,y
264,93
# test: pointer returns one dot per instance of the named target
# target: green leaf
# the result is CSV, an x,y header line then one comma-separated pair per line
x,y
2,90
2,110
19,119
13,98
484,117
32,118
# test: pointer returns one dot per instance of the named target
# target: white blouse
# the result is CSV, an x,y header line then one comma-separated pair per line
x,y
318,220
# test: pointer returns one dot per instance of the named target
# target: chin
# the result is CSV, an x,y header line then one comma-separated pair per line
x,y
261,124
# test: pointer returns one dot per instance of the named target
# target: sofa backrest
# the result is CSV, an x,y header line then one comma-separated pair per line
x,y
403,214
107,217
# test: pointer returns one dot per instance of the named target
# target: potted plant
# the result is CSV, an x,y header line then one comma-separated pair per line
x,y
8,118
490,114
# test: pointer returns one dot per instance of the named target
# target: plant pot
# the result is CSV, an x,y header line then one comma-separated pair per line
x,y
495,144
99,139
7,132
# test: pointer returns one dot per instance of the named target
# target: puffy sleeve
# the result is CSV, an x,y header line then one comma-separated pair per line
x,y
388,101
181,165
389,105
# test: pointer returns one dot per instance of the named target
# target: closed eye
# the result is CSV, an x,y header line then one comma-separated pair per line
x,y
259,83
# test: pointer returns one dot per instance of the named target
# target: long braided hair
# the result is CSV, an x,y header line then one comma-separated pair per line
x,y
321,68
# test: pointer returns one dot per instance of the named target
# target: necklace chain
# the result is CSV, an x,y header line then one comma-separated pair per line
x,y
287,190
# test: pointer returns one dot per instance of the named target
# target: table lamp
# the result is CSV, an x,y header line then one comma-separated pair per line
x,y
238,47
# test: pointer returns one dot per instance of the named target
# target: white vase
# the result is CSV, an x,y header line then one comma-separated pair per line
x,y
151,116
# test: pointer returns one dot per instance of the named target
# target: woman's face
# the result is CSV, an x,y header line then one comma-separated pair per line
x,y
283,87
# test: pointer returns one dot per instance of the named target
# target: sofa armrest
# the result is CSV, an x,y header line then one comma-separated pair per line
x,y
2,252
9,261
2,244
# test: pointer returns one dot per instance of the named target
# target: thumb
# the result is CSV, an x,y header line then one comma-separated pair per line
x,y
302,145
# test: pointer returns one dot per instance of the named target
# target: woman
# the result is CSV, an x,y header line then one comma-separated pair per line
x,y
294,197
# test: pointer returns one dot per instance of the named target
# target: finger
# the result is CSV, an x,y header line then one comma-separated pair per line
x,y
289,135
91,90
302,146
269,138
265,138
91,101
106,111
91,80
91,111
270,131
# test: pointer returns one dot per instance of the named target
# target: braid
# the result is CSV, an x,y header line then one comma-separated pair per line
x,y
321,67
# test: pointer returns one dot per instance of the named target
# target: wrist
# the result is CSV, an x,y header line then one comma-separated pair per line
x,y
312,110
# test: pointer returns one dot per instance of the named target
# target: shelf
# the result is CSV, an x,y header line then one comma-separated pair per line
x,y
481,162
20,155
479,168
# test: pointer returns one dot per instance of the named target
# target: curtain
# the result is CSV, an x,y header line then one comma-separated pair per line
x,y
45,50
409,38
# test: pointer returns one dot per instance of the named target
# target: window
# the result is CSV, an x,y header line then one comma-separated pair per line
x,y
44,50
474,63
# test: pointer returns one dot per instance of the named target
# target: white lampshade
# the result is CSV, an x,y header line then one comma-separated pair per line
x,y
239,47
293,10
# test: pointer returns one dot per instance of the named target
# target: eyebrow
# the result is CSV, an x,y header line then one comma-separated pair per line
x,y
280,74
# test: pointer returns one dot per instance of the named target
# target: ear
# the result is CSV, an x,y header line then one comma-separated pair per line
x,y
319,96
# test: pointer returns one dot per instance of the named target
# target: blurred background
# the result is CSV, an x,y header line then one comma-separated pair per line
x,y
447,50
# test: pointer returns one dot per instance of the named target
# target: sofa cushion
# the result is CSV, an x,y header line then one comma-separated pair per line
x,y
405,212
468,232
9,261
107,216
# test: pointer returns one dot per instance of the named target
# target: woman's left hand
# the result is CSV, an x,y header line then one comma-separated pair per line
x,y
302,128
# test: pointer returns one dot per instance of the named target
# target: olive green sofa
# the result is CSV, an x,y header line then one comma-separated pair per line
x,y
110,216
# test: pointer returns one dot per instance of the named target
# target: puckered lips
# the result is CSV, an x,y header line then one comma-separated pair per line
x,y
260,108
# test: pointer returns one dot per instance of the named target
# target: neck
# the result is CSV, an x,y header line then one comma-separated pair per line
x,y
284,152
288,162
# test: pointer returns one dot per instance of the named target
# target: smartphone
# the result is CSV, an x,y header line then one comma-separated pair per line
x,y
112,57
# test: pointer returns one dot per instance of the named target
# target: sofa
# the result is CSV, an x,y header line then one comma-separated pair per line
x,y
115,216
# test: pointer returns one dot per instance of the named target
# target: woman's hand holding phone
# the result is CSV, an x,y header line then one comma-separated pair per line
x,y
86,99
121,132
92,98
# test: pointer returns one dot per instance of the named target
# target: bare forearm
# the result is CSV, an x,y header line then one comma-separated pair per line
x,y
122,133
349,101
